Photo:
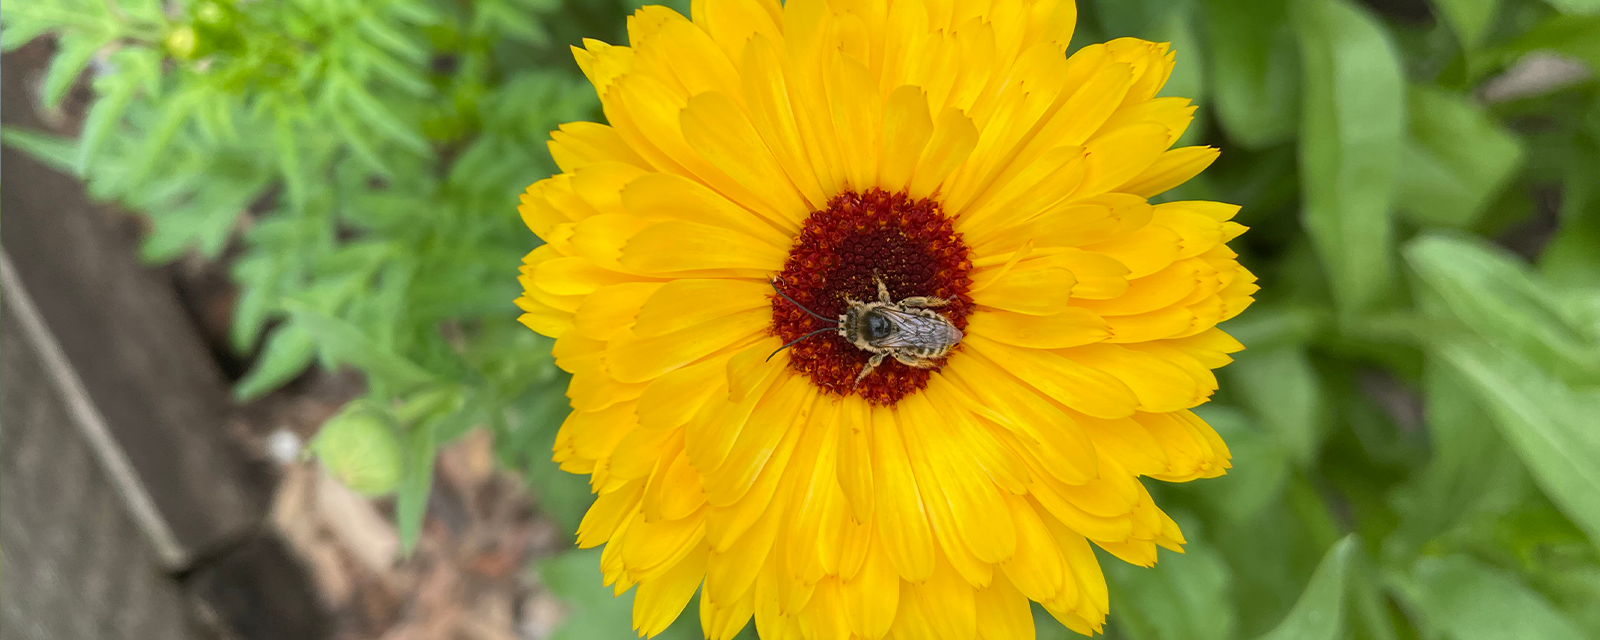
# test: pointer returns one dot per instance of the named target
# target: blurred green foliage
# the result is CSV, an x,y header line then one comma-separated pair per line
x,y
1416,423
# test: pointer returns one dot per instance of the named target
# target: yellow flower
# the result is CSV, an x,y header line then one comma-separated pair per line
x,y
945,149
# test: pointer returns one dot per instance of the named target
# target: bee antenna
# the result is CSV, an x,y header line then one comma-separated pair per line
x,y
792,342
774,283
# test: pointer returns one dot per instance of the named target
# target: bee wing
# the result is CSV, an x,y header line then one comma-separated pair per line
x,y
913,330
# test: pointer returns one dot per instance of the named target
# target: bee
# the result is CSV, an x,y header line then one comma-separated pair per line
x,y
909,331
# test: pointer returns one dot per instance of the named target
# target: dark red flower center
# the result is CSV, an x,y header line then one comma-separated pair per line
x,y
909,244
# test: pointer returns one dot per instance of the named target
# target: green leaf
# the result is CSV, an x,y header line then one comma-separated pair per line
x,y
1576,7
74,50
1137,18
289,350
596,613
1549,425
1185,596
411,499
115,92
1456,160
1495,296
1280,386
1254,70
1188,71
1467,600
53,150
1575,36
1471,471
1351,130
342,342
1470,19
380,117
1260,465
1319,613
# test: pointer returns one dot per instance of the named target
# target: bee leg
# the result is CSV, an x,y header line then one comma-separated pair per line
x,y
883,291
913,361
876,360
924,301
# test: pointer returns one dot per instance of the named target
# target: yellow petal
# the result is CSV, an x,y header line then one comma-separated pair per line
x,y
607,513
1144,252
1117,156
579,144
543,318
679,246
662,196
767,95
857,119
650,549
1087,389
672,399
954,137
724,621
1003,612
947,604
966,505
1042,292
872,597
717,128
1036,569
1160,385
1173,168
731,23
902,522
659,601
1070,328
634,359
682,304
789,408
907,126
1053,436
855,456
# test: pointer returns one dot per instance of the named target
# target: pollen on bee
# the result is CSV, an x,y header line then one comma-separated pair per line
x,y
910,244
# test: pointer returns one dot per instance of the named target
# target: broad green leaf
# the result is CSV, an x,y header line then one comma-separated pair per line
x,y
1456,159
1319,613
595,614
1280,386
1467,600
1188,71
289,350
1185,596
1494,295
1352,127
1137,18
343,342
1260,465
1470,19
1471,471
359,446
1570,259
1576,7
53,150
574,577
1254,77
411,499
1568,35
1549,425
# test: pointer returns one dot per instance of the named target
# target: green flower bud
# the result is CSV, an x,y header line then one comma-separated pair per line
x,y
361,448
